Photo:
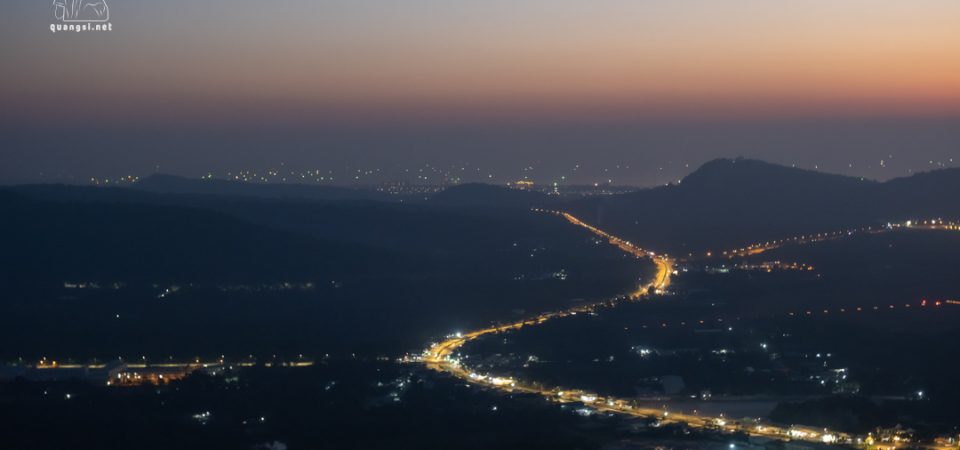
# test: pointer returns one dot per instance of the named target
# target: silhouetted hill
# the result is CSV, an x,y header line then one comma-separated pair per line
x,y
723,204
409,240
170,184
374,275
751,174
58,241
729,202
421,228
479,195
924,194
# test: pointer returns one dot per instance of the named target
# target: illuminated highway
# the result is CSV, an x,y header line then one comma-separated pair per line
x,y
442,356
664,263
760,247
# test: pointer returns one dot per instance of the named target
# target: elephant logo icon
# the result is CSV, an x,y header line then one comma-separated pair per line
x,y
81,10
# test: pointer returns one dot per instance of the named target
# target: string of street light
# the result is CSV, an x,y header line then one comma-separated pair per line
x,y
443,356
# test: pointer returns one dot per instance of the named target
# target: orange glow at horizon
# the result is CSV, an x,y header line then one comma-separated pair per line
x,y
535,58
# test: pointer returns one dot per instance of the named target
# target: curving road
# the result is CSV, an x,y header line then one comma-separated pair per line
x,y
442,356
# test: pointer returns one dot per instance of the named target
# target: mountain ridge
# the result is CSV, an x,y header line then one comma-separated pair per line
x,y
174,184
730,202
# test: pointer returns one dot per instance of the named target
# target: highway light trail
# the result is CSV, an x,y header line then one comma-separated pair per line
x,y
442,356
663,262
760,247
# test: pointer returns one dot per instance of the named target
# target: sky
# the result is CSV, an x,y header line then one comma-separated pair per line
x,y
627,91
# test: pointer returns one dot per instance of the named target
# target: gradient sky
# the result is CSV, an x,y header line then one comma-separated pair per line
x,y
654,85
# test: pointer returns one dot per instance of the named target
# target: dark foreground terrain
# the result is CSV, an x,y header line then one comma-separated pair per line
x,y
179,314
851,334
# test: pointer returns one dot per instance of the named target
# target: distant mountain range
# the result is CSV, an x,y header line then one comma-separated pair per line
x,y
170,184
479,195
383,272
724,203
174,228
470,195
275,273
